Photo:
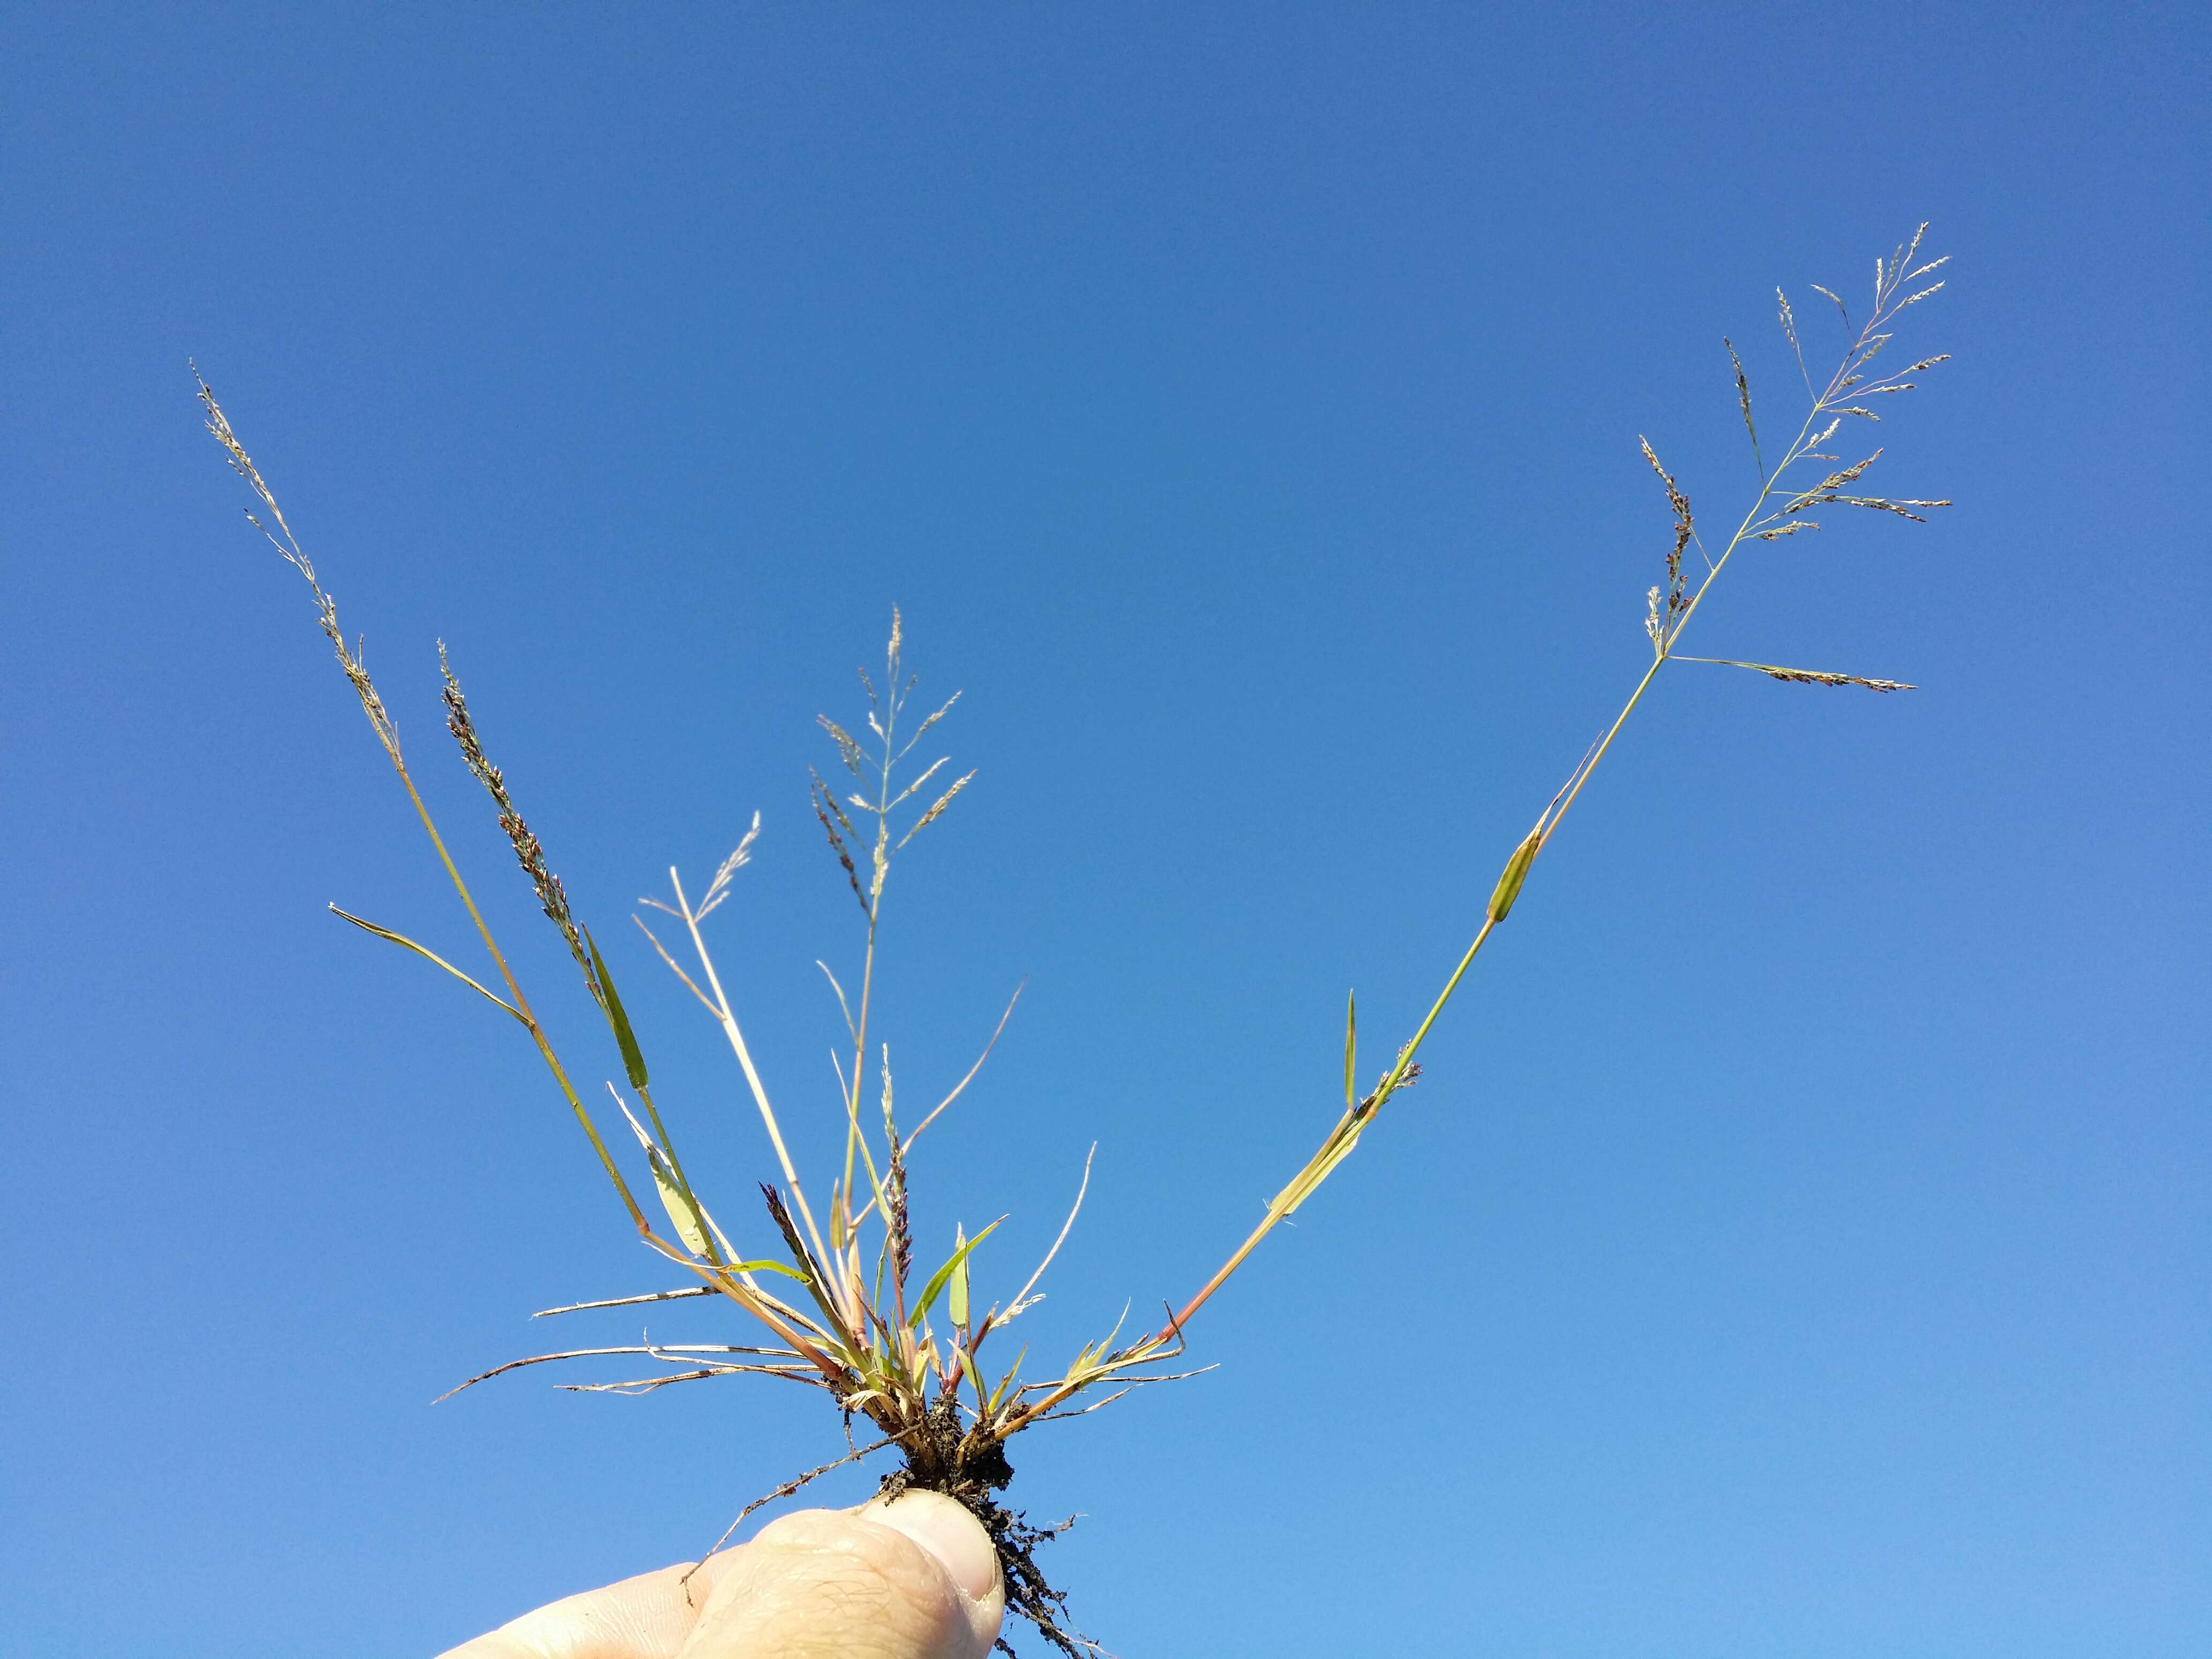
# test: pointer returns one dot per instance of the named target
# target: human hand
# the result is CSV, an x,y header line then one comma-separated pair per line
x,y
913,1578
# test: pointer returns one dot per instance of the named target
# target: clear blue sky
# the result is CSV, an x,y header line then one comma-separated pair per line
x,y
1799,1245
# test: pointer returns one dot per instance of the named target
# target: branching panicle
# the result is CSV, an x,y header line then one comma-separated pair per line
x,y
780,1213
1743,398
529,851
719,889
902,1226
1677,587
832,818
326,608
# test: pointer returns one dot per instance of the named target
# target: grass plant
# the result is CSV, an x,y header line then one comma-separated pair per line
x,y
832,1294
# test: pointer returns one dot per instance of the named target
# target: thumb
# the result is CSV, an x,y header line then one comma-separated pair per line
x,y
915,1578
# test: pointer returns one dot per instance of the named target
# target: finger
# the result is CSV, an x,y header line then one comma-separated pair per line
x,y
946,1530
648,1617
916,1579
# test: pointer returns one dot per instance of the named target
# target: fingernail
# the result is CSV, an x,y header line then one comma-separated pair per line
x,y
947,1531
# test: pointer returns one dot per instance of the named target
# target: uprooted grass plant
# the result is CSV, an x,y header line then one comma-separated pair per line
x,y
834,1291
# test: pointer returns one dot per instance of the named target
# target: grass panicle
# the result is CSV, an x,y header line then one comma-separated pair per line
x,y
529,851
831,1294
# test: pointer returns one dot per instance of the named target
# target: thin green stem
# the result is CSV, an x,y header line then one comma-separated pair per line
x,y
521,1003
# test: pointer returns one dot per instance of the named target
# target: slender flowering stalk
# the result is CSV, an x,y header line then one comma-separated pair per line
x,y
1841,396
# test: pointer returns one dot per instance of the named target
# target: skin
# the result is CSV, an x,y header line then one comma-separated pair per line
x,y
916,1579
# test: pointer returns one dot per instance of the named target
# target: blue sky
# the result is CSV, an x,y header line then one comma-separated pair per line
x,y
1798,1244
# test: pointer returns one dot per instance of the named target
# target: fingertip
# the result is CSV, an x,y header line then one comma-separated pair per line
x,y
949,1532
913,1578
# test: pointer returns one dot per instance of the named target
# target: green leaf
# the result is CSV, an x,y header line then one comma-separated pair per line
x,y
957,1304
943,1276
1515,872
684,1213
633,1058
998,1393
783,1267
1308,1180
1351,1049
672,1200
420,950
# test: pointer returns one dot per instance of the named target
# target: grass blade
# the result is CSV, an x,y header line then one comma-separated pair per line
x,y
1515,874
633,1057
684,1212
956,1299
943,1276
1351,1049
425,951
